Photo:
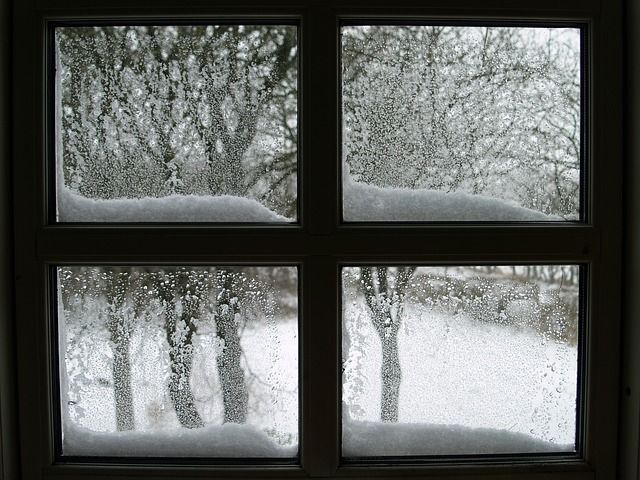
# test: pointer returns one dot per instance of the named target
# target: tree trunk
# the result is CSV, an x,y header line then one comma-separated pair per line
x,y
120,331
385,305
181,358
235,396
121,368
179,337
391,378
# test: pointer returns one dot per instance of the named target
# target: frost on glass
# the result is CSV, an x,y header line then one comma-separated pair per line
x,y
176,123
178,361
445,123
459,360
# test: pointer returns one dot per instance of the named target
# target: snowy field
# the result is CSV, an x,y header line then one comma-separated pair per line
x,y
467,387
270,360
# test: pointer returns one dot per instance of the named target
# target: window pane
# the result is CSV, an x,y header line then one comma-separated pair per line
x,y
178,361
459,360
187,123
444,123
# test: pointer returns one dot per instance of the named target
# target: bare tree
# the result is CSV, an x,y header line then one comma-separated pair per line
x,y
483,110
384,296
155,111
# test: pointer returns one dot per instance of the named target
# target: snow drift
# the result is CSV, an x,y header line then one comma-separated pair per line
x,y
360,439
362,203
228,440
73,207
368,203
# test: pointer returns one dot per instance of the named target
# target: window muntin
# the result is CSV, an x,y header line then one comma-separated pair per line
x,y
176,123
460,360
178,361
461,123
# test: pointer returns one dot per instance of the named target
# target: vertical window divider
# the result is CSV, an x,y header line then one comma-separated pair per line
x,y
320,369
320,385
319,39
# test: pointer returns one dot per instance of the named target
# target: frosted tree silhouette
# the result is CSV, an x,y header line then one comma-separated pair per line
x,y
481,110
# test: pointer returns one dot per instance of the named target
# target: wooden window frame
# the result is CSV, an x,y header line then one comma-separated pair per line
x,y
320,244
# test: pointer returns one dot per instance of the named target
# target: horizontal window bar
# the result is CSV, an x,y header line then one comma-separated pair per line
x,y
565,470
545,9
440,244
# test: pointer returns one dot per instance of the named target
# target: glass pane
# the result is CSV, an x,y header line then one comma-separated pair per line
x,y
444,123
187,123
178,361
459,360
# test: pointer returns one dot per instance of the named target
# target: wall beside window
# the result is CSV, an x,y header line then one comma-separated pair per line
x,y
8,443
630,397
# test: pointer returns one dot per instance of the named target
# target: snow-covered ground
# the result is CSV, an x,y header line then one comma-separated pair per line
x,y
228,440
467,387
362,202
270,352
367,439
460,378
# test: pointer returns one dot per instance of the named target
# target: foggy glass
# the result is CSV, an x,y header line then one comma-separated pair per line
x,y
459,359
176,123
453,123
178,361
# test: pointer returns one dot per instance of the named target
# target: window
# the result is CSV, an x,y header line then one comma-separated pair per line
x,y
153,360
517,274
195,120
